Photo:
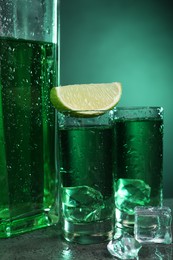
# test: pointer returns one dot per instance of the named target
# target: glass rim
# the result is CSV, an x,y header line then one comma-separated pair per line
x,y
89,111
139,108
138,112
112,109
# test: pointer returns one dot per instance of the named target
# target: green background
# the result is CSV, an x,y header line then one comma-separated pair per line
x,y
130,41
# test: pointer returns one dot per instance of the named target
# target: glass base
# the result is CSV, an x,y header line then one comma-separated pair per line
x,y
124,220
88,233
26,223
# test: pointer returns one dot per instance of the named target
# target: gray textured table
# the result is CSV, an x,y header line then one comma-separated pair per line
x,y
47,244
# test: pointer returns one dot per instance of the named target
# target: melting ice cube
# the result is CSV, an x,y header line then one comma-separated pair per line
x,y
153,225
82,203
124,247
130,193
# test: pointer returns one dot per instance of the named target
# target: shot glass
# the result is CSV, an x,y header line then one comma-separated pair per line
x,y
138,160
85,157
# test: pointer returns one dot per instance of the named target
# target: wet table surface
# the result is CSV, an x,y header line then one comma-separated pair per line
x,y
47,244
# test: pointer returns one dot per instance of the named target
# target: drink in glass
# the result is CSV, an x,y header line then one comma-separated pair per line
x,y
85,155
28,69
138,164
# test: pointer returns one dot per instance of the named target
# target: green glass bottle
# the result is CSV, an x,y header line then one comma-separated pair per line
x,y
28,70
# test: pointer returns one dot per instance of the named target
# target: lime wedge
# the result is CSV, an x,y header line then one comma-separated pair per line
x,y
86,97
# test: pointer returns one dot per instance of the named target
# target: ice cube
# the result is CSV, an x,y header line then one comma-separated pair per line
x,y
130,193
124,247
153,225
82,203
